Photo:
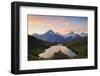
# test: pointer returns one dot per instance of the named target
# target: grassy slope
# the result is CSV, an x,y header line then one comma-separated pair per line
x,y
80,46
38,47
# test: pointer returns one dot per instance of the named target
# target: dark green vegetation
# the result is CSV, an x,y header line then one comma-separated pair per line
x,y
36,47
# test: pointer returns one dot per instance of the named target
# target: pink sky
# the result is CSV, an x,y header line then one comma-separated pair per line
x,y
62,24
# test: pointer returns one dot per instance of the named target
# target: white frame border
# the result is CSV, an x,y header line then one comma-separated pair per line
x,y
24,64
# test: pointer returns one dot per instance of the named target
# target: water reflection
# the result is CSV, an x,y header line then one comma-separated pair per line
x,y
50,52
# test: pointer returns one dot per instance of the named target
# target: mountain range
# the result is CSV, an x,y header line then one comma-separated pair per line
x,y
51,36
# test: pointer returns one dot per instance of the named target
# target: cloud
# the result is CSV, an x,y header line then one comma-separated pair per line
x,y
46,20
78,28
32,20
63,30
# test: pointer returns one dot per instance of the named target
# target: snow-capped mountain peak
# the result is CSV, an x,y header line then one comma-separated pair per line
x,y
83,35
51,36
50,32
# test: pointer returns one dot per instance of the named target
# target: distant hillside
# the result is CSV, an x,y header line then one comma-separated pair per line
x,y
77,42
33,42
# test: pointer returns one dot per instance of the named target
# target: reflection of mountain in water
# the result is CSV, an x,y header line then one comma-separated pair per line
x,y
50,52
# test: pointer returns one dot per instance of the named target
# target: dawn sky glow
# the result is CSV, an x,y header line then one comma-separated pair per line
x,y
61,24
